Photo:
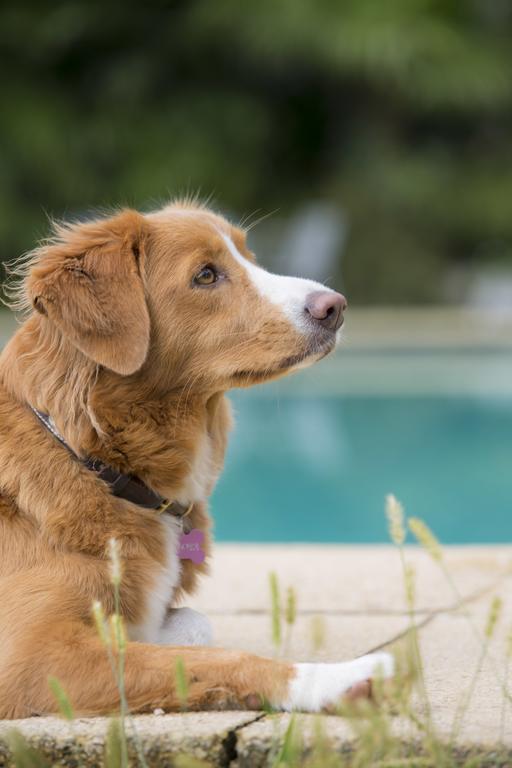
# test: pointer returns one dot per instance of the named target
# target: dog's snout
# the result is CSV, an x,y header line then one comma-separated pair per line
x,y
326,308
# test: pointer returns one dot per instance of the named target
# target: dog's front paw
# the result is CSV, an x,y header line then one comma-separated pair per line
x,y
315,687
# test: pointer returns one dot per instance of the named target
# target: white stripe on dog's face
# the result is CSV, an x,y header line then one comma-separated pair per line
x,y
287,293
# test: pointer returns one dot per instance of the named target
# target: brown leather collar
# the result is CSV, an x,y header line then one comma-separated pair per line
x,y
126,487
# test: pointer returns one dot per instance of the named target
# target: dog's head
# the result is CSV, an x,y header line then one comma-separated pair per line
x,y
177,293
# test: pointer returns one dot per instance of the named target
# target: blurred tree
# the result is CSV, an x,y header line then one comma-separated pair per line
x,y
399,112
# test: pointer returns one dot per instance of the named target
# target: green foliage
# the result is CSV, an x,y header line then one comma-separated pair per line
x,y
61,698
290,612
375,741
290,746
398,113
23,755
115,744
188,761
275,610
181,681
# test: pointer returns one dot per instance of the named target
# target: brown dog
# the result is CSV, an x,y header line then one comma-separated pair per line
x,y
138,325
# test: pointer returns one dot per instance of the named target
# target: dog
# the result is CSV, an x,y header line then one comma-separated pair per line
x,y
113,428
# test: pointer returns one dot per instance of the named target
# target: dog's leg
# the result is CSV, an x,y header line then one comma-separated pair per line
x,y
217,679
183,626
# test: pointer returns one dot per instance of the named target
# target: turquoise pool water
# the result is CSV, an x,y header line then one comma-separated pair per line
x,y
317,469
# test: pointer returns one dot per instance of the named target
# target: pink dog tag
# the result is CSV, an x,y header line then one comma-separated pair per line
x,y
191,546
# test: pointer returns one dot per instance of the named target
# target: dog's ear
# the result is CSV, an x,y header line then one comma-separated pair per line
x,y
88,281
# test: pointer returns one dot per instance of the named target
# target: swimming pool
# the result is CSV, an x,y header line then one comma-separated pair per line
x,y
414,403
313,457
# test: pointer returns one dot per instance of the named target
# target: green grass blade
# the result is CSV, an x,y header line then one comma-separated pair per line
x,y
276,610
114,745
61,698
181,682
23,755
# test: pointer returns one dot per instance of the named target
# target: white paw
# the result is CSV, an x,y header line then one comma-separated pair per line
x,y
317,686
183,626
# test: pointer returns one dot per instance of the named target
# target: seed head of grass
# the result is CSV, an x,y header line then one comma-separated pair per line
x,y
276,610
426,538
290,613
493,617
395,515
318,632
117,625
100,622
115,562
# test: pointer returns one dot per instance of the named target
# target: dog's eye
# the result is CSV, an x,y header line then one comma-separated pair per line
x,y
206,276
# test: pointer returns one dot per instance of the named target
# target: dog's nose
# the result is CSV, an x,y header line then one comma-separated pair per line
x,y
326,308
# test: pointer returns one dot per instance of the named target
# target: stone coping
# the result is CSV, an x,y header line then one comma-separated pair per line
x,y
357,593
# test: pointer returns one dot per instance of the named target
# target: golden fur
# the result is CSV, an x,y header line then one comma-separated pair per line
x,y
132,364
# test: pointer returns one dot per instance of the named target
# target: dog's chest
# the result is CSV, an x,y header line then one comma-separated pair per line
x,y
195,488
199,481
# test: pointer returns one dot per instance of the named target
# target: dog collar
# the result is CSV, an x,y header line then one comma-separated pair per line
x,y
126,487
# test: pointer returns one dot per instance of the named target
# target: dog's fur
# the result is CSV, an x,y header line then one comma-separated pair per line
x,y
131,359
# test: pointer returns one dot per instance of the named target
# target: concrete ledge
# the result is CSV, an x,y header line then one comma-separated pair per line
x,y
357,594
224,739
257,743
209,737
